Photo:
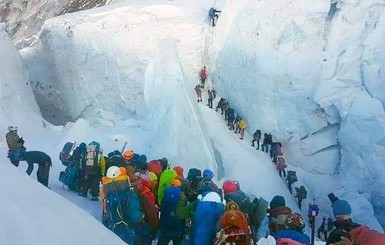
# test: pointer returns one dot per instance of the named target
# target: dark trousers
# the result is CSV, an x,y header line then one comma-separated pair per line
x,y
282,171
252,142
213,19
30,168
265,147
210,103
43,174
299,200
91,182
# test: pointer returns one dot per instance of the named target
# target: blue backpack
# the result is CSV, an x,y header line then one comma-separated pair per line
x,y
170,224
294,235
122,204
207,215
70,177
66,152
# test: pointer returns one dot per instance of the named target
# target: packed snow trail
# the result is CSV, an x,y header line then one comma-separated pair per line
x,y
253,169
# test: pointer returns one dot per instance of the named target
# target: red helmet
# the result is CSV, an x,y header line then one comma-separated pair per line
x,y
229,186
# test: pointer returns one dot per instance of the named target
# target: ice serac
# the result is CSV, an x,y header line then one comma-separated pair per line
x,y
298,70
17,103
352,84
173,122
33,214
92,63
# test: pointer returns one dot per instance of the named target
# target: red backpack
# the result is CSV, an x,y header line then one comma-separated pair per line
x,y
287,241
155,167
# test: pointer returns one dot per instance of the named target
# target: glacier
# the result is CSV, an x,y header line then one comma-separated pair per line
x,y
311,73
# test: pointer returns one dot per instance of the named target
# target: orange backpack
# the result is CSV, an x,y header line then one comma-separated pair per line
x,y
235,226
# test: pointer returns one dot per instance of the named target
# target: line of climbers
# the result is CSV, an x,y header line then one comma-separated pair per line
x,y
17,152
276,154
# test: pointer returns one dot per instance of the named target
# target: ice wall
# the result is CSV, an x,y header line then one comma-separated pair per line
x,y
312,74
24,18
173,123
352,83
92,65
17,103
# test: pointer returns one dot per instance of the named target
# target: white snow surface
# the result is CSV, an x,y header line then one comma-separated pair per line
x,y
33,214
314,80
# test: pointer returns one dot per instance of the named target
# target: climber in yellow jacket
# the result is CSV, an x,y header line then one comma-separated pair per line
x,y
242,126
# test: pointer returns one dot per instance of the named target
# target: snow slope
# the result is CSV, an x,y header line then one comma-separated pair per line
x,y
33,214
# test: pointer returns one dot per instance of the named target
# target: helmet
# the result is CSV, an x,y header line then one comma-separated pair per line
x,y
153,176
117,153
128,155
229,186
12,128
179,170
113,172
176,182
208,174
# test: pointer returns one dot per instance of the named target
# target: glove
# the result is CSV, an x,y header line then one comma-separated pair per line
x,y
21,140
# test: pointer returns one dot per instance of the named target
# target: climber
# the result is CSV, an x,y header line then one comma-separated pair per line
x,y
236,123
198,91
44,162
256,137
345,227
265,146
230,118
225,107
213,14
210,99
242,126
203,75
93,166
15,146
220,104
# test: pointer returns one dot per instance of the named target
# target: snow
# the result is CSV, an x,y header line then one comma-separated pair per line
x,y
126,72
33,214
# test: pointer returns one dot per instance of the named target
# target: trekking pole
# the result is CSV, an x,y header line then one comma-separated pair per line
x,y
124,147
312,227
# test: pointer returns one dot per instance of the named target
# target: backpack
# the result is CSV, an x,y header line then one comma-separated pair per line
x,y
287,241
92,157
65,154
70,177
207,186
236,228
292,235
169,223
155,167
278,218
165,181
291,176
122,204
295,222
241,199
257,134
206,216
258,211
303,192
